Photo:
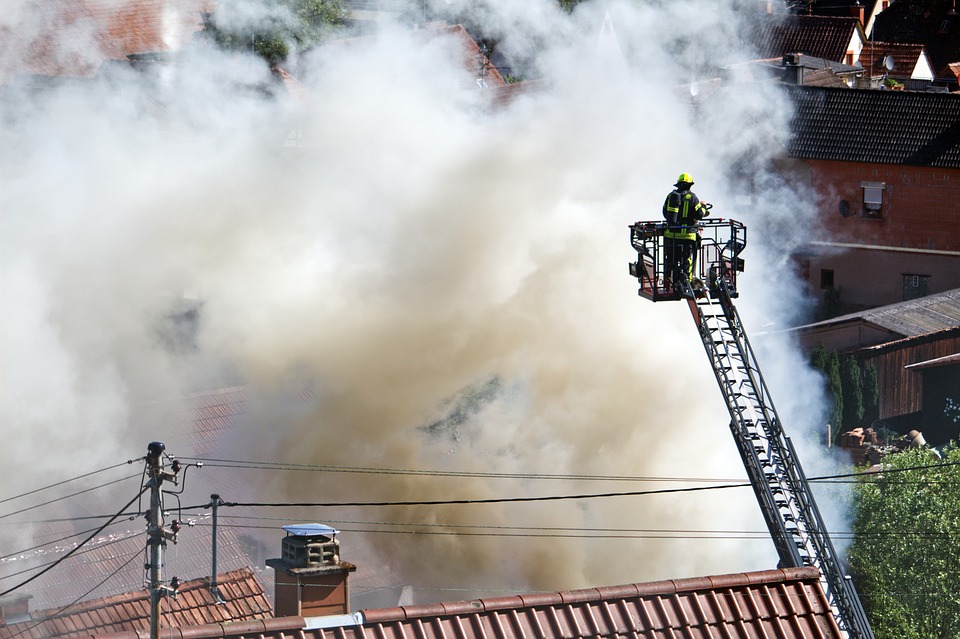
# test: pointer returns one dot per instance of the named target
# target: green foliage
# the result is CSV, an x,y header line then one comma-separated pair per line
x,y
906,551
279,26
569,5
951,410
828,363
871,394
852,390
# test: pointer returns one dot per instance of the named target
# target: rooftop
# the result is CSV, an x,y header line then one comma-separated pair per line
x,y
820,36
905,58
72,38
243,598
912,318
776,604
882,127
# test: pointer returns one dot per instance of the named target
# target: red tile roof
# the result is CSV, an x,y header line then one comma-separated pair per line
x,y
775,604
819,36
243,599
112,564
197,426
72,38
905,58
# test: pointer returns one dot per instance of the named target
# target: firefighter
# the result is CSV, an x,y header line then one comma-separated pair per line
x,y
681,238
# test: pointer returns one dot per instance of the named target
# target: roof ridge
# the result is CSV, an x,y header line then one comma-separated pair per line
x,y
598,594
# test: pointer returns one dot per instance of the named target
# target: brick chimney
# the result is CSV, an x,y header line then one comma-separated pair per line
x,y
310,580
857,11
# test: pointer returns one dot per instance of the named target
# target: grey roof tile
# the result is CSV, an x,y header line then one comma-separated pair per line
x,y
883,127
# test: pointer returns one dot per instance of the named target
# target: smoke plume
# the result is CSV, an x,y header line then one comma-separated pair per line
x,y
448,281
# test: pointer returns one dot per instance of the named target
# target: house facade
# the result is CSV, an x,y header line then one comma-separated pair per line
x,y
882,171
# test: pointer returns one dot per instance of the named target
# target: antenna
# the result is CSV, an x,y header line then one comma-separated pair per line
x,y
888,62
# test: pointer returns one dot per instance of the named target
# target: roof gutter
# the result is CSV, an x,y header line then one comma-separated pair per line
x,y
892,249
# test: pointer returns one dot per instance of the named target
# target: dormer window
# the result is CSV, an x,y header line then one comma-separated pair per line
x,y
873,199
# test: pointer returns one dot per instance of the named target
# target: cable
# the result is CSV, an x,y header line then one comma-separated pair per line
x,y
65,481
498,500
75,549
102,545
263,465
55,520
494,500
51,542
60,612
53,501
227,463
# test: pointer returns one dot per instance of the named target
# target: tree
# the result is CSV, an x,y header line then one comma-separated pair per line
x,y
906,549
871,393
851,383
275,26
828,363
569,5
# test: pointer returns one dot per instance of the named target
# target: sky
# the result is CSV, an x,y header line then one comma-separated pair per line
x,y
417,252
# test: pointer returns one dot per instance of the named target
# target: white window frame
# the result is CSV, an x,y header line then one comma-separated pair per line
x,y
873,199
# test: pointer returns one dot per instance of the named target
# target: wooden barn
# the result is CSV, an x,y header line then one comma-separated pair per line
x,y
915,348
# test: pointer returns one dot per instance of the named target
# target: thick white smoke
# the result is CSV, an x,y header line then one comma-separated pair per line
x,y
414,244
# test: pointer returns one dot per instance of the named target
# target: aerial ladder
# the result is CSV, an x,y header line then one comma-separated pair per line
x,y
771,462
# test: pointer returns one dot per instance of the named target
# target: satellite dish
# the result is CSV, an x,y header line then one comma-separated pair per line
x,y
844,208
888,63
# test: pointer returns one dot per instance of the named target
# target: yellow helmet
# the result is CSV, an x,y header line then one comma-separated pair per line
x,y
684,179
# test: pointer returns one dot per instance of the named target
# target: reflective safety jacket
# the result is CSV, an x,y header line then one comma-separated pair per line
x,y
682,210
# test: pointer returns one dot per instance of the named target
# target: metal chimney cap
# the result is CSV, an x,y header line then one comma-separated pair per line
x,y
310,530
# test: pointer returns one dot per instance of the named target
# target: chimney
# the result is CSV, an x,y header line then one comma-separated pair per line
x,y
792,69
310,580
857,12
15,609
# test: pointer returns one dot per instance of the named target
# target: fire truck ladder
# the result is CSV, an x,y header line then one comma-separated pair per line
x,y
771,462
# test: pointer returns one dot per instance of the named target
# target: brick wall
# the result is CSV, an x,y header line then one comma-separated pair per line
x,y
921,206
918,225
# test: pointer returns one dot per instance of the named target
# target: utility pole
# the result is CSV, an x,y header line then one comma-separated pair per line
x,y
215,501
156,532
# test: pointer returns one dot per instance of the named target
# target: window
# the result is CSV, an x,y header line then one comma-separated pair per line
x,y
915,286
872,199
826,278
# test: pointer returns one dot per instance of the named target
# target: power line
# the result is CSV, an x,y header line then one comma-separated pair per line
x,y
326,468
80,492
51,542
493,500
75,549
496,500
285,466
77,554
60,612
65,481
651,533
